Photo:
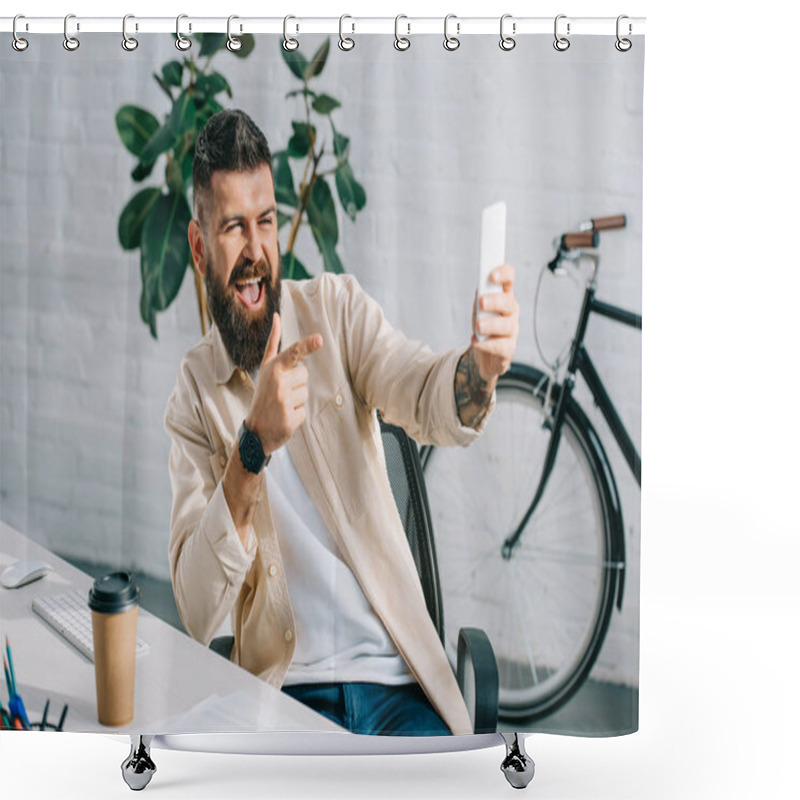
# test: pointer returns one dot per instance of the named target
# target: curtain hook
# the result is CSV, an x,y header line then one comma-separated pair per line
x,y
623,45
70,42
561,43
233,44
507,42
401,42
18,43
128,42
182,43
346,42
451,42
289,44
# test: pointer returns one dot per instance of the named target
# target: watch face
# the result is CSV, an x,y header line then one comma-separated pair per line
x,y
251,452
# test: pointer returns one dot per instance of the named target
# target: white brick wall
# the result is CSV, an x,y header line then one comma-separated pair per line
x,y
435,137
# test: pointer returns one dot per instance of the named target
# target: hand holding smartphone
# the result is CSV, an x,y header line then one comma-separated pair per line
x,y
492,254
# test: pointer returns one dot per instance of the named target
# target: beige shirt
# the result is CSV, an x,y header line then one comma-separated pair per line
x,y
363,365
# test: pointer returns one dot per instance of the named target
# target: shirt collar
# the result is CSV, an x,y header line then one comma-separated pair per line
x,y
223,363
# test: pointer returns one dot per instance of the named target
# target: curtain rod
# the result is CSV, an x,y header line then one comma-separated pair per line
x,y
347,25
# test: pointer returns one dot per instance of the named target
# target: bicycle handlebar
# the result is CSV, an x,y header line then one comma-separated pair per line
x,y
571,241
609,223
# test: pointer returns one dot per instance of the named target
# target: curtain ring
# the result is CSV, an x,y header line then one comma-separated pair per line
x,y
70,42
128,42
233,44
561,43
623,45
451,42
401,42
507,42
289,44
182,43
18,43
345,42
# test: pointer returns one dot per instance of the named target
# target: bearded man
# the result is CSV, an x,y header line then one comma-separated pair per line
x,y
283,516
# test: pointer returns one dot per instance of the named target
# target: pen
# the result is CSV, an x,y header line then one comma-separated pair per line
x,y
17,708
8,678
11,666
43,723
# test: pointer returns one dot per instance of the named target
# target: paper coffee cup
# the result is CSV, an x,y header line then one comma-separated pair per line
x,y
114,602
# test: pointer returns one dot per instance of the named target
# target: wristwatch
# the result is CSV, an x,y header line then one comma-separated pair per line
x,y
250,450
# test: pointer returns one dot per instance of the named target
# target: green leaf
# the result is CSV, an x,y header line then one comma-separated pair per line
x,y
161,141
162,83
211,42
283,219
351,192
248,44
136,127
317,63
184,115
172,72
329,256
148,313
284,181
296,62
165,249
341,145
142,171
324,104
131,220
300,143
213,84
293,269
322,211
305,91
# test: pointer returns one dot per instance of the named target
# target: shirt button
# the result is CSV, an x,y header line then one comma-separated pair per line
x,y
288,635
273,571
339,400
223,460
260,497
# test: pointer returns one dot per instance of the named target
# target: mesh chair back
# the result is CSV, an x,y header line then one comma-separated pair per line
x,y
408,486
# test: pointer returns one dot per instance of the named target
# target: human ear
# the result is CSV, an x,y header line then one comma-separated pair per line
x,y
198,246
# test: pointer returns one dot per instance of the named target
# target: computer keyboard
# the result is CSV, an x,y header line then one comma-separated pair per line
x,y
68,614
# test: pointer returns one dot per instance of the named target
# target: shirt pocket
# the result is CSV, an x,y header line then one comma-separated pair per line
x,y
338,437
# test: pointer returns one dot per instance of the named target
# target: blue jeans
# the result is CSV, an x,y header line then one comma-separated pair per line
x,y
372,707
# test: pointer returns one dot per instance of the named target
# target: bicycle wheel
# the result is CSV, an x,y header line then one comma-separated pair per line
x,y
546,608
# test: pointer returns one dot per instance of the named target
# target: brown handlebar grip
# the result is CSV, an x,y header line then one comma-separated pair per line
x,y
609,223
570,241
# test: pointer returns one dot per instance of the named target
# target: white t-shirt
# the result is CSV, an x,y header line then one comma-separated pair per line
x,y
338,636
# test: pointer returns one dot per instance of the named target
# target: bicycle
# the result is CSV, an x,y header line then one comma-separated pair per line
x,y
528,520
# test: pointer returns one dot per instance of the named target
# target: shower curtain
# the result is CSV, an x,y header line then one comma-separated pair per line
x,y
383,161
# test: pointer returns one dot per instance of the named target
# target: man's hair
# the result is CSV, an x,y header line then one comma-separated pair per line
x,y
230,141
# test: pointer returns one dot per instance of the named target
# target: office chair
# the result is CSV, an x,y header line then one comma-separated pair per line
x,y
476,669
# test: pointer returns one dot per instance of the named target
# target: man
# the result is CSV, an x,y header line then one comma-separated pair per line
x,y
282,511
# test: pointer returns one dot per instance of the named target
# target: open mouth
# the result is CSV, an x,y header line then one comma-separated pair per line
x,y
251,292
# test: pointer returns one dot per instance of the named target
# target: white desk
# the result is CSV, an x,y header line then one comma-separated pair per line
x,y
173,678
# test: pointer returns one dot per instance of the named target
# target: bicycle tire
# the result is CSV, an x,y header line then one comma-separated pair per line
x,y
571,566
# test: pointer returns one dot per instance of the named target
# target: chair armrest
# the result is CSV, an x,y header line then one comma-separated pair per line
x,y
222,645
477,678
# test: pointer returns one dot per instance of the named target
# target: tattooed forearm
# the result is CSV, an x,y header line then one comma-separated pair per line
x,y
473,393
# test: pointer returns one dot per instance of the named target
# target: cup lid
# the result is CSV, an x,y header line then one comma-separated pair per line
x,y
114,593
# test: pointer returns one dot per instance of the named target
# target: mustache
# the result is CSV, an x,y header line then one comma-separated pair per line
x,y
247,270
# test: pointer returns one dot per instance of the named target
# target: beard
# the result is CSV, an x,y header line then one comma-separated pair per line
x,y
244,333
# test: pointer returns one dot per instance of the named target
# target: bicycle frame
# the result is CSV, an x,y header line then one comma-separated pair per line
x,y
580,362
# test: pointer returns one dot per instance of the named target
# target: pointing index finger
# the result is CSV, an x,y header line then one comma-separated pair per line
x,y
293,355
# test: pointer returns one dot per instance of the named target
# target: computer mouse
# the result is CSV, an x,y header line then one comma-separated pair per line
x,y
23,572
